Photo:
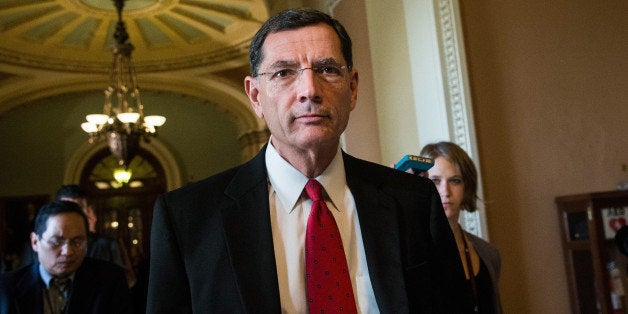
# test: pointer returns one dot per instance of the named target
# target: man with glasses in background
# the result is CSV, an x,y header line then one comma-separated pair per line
x,y
63,280
99,246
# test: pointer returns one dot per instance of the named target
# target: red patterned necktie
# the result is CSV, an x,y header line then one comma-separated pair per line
x,y
326,272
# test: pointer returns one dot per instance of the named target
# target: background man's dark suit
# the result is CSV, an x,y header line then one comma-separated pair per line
x,y
212,247
98,287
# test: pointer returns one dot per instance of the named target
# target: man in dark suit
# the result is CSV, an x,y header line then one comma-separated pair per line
x,y
99,246
64,280
236,242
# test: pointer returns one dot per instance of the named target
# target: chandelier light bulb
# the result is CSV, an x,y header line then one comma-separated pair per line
x,y
89,127
128,117
155,120
97,118
122,175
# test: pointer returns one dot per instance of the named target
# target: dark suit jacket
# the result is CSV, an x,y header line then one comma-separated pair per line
x,y
98,287
104,248
212,247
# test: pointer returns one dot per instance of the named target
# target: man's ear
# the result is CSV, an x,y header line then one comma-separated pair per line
x,y
34,241
353,85
252,91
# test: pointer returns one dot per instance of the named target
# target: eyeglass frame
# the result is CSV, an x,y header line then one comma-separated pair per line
x,y
317,70
57,243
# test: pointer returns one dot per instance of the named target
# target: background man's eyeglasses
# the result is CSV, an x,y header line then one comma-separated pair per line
x,y
57,243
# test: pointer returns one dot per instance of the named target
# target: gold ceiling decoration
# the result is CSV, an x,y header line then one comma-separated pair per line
x,y
77,35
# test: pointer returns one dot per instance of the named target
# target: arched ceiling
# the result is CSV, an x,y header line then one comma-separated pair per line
x,y
77,35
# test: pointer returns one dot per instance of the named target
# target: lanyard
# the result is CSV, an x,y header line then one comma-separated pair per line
x,y
474,286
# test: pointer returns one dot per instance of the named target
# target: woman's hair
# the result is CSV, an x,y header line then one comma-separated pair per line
x,y
457,156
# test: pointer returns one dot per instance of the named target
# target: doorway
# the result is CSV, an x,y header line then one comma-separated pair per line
x,y
124,210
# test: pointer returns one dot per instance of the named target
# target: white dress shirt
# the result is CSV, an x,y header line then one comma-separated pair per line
x,y
289,211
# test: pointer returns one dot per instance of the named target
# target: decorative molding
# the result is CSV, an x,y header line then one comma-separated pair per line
x,y
74,168
76,35
109,10
252,141
458,101
214,58
331,4
452,73
471,223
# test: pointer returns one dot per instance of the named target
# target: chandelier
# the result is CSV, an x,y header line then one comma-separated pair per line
x,y
122,122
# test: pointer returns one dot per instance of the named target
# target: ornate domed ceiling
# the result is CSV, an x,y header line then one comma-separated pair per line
x,y
77,35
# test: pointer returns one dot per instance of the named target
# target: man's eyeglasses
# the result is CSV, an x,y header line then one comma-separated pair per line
x,y
57,243
332,74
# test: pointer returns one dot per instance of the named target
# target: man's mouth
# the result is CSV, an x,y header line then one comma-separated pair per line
x,y
311,118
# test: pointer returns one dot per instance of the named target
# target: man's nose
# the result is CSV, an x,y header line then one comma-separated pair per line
x,y
307,84
67,249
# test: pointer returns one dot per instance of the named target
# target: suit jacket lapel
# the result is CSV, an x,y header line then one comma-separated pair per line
x,y
31,297
83,290
246,218
376,211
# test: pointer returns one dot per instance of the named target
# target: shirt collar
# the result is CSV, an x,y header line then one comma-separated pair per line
x,y
288,182
47,277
